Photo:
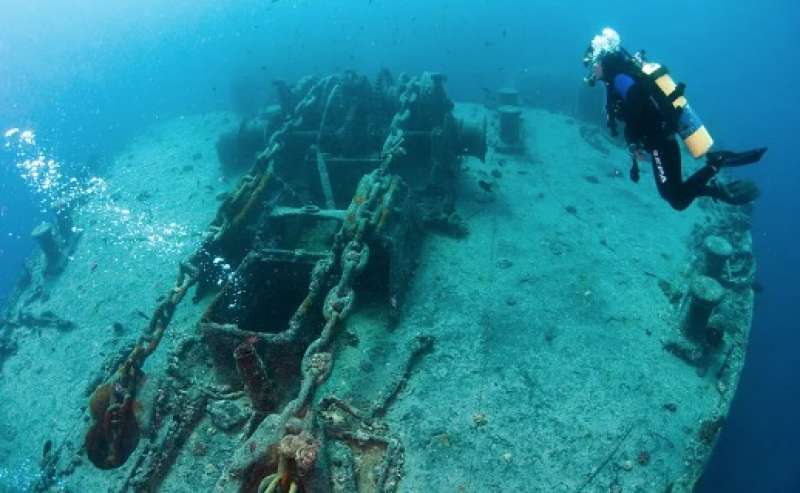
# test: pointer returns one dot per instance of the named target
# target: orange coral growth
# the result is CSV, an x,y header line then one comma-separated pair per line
x,y
297,455
302,448
98,402
114,434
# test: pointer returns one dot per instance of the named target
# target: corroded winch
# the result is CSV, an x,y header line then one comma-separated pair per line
x,y
327,220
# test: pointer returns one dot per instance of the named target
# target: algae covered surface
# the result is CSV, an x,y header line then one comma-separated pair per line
x,y
546,347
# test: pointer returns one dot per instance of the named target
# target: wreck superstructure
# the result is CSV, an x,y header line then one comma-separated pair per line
x,y
333,209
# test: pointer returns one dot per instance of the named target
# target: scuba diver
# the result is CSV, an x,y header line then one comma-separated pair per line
x,y
653,107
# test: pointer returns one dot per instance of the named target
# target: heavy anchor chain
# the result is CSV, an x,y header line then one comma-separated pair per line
x,y
353,254
340,299
114,432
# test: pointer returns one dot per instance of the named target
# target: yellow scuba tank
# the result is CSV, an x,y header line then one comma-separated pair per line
x,y
689,125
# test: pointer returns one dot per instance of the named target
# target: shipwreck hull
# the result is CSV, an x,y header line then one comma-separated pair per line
x,y
375,308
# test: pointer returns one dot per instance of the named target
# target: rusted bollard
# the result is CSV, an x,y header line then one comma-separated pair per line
x,y
254,374
705,294
47,238
717,251
508,97
510,128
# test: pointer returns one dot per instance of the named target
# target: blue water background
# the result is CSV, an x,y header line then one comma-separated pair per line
x,y
87,75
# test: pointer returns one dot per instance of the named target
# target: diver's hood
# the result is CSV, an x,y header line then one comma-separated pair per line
x,y
606,43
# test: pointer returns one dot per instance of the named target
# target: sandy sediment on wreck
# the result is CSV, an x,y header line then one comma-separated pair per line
x,y
552,317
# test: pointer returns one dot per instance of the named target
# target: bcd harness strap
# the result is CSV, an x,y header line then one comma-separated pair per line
x,y
662,70
678,92
680,89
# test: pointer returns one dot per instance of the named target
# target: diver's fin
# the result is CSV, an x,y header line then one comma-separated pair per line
x,y
739,192
725,159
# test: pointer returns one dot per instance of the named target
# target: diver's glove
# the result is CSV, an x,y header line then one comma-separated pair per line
x,y
611,123
634,171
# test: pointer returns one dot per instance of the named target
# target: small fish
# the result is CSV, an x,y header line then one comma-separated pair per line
x,y
486,186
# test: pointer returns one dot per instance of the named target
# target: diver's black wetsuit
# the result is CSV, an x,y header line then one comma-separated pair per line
x,y
628,100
